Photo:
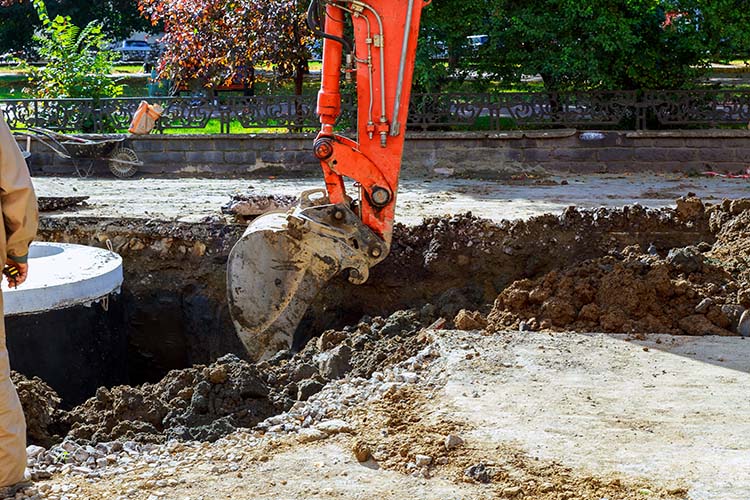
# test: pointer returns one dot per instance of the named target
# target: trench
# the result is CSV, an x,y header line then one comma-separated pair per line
x,y
173,313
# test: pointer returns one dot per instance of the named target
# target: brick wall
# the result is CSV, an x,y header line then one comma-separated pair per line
x,y
490,155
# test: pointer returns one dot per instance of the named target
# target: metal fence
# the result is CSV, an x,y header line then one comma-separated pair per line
x,y
633,110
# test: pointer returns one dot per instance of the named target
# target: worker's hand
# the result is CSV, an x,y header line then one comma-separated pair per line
x,y
23,273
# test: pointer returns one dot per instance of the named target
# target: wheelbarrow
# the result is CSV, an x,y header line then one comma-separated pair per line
x,y
25,151
123,162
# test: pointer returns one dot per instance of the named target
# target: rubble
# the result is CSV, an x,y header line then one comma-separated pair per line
x,y
208,402
247,206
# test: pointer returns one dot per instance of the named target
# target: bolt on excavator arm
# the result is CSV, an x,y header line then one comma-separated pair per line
x,y
285,259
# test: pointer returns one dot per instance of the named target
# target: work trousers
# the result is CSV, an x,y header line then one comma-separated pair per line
x,y
12,421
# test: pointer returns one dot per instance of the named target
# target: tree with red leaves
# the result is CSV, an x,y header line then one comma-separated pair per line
x,y
218,42
208,41
287,44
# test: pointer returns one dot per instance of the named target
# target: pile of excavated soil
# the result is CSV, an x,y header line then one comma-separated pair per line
x,y
693,290
357,351
203,402
208,402
631,291
41,406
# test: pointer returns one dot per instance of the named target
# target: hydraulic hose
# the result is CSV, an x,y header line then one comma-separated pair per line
x,y
314,23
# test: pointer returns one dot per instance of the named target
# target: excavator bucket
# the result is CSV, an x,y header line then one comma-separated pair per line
x,y
281,263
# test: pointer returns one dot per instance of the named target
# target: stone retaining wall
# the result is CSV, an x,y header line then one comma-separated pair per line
x,y
491,155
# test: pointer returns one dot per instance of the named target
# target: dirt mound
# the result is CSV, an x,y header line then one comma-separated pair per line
x,y
357,351
701,289
203,402
208,402
41,406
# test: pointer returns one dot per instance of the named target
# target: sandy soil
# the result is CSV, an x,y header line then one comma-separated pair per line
x,y
552,416
192,199
670,409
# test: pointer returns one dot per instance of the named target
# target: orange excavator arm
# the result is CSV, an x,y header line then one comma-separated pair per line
x,y
384,52
284,260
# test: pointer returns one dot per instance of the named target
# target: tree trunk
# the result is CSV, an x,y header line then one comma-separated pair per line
x,y
249,89
299,76
553,96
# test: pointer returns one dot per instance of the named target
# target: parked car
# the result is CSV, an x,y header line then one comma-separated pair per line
x,y
133,50
476,41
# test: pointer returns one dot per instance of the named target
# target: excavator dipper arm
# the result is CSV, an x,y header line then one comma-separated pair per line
x,y
284,259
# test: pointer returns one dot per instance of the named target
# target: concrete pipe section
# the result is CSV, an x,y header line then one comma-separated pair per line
x,y
55,334
63,275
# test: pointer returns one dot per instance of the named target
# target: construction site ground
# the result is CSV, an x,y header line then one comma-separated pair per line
x,y
472,410
193,199
559,416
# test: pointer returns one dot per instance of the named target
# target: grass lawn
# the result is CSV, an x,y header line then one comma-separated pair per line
x,y
213,127
128,69
5,68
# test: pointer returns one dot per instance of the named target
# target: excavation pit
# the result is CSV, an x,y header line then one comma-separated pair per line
x,y
174,317
182,385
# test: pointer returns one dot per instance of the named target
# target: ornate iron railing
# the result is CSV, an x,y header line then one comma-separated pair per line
x,y
447,111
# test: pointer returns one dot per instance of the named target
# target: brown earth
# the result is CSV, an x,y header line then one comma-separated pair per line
x,y
677,270
41,406
695,290
402,425
208,402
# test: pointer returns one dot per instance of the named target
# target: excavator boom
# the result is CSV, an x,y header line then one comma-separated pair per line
x,y
284,260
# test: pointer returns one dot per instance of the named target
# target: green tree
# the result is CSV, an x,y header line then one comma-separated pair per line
x,y
77,62
725,25
608,44
17,26
443,55
580,44
118,18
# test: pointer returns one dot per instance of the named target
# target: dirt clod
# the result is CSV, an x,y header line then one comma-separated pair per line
x,y
469,320
203,403
361,451
41,406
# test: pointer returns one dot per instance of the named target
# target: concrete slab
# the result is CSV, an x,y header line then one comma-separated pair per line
x,y
63,275
192,199
674,410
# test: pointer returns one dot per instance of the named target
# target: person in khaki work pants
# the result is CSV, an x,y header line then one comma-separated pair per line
x,y
18,204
